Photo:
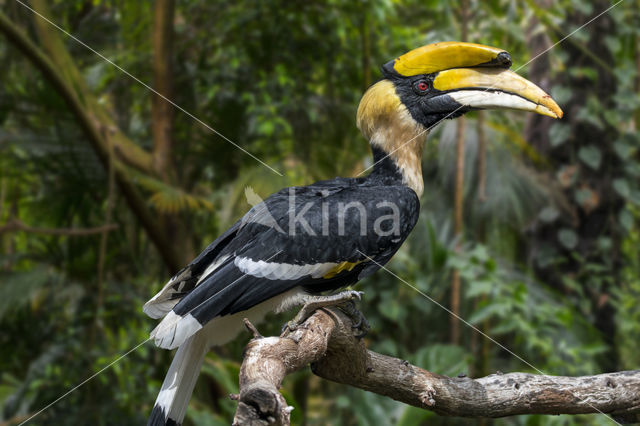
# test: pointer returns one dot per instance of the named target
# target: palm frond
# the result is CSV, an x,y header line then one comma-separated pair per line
x,y
167,198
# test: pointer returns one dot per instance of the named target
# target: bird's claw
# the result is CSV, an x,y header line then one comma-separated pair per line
x,y
355,295
289,326
360,322
340,299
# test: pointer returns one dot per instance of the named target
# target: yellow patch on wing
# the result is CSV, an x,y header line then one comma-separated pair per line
x,y
342,266
446,55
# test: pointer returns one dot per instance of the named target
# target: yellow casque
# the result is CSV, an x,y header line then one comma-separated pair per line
x,y
446,55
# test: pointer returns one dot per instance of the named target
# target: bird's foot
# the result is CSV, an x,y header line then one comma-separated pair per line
x,y
314,303
360,322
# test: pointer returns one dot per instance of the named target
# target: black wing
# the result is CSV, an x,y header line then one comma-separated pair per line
x,y
186,279
320,237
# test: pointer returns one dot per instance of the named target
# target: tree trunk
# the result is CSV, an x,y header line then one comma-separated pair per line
x,y
458,209
162,112
163,121
536,131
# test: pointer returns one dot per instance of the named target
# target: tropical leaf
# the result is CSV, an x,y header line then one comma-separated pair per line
x,y
167,198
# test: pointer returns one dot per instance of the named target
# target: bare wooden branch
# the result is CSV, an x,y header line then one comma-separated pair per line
x,y
18,225
326,342
252,329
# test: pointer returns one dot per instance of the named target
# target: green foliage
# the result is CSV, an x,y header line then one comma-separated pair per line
x,y
168,199
283,79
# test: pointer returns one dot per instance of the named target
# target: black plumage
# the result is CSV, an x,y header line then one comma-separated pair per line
x,y
328,235
329,222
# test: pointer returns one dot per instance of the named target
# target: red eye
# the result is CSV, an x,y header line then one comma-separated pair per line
x,y
420,87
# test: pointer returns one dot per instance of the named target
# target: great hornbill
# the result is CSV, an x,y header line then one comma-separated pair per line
x,y
306,240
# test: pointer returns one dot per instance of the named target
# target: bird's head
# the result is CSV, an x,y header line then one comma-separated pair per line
x,y
438,81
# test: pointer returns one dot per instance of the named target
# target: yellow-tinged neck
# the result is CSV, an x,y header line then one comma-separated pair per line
x,y
387,124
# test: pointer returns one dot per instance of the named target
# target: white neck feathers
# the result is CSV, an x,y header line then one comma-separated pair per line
x,y
387,124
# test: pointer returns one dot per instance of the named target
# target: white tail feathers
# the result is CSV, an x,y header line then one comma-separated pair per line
x,y
174,329
158,308
172,401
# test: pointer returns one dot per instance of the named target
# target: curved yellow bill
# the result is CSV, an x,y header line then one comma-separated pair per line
x,y
449,54
485,88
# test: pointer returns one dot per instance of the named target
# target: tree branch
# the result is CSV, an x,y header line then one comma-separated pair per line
x,y
125,149
18,225
96,135
326,341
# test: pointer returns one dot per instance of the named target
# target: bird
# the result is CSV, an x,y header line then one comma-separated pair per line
x,y
303,242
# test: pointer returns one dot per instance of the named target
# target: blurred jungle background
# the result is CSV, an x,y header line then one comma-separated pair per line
x,y
106,190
